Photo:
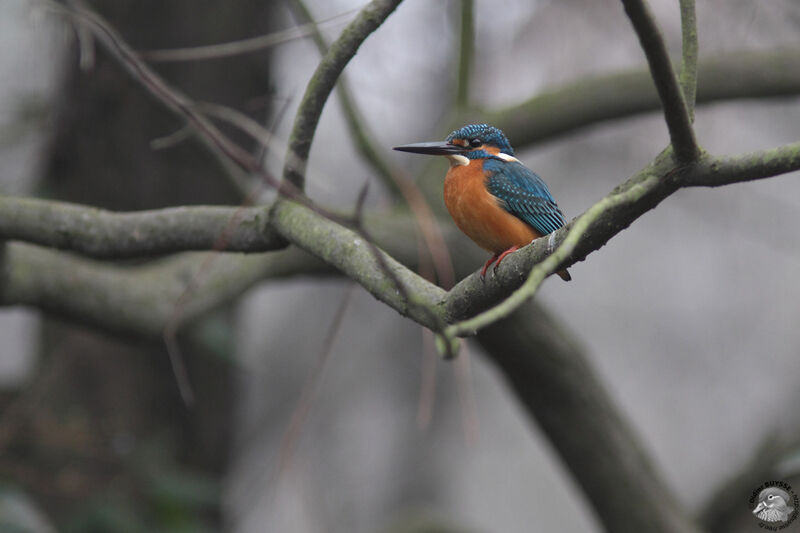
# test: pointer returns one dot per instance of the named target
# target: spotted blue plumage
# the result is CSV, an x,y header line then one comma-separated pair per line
x,y
489,135
523,194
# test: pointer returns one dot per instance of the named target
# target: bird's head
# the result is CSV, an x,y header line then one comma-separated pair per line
x,y
473,141
773,498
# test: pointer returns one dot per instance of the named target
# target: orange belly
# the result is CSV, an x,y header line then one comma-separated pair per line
x,y
479,214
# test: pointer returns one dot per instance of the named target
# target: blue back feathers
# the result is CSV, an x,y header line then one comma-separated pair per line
x,y
523,194
488,135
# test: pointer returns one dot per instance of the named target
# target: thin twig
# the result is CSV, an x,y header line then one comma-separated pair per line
x,y
243,46
689,55
466,53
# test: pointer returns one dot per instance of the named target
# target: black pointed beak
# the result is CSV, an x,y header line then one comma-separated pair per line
x,y
434,148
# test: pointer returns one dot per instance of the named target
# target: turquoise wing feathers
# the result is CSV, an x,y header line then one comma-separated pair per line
x,y
523,194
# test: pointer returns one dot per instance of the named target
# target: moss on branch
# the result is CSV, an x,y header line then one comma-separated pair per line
x,y
104,234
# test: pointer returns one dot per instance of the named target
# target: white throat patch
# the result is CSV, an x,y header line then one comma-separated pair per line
x,y
458,159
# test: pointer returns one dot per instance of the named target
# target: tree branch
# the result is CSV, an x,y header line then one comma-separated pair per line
x,y
321,84
466,52
726,170
652,184
582,103
140,300
688,75
103,234
541,270
342,248
676,113
349,253
562,393
355,122
169,96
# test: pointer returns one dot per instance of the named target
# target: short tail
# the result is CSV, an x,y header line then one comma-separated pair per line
x,y
564,275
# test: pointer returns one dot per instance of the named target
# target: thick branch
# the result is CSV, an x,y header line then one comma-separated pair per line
x,y
321,84
540,271
140,300
654,183
350,253
104,234
559,389
676,113
345,250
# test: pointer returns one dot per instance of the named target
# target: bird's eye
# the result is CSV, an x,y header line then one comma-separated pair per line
x,y
474,143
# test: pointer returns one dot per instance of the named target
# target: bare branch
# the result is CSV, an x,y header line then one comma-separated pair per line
x,y
351,254
103,234
243,46
141,300
321,84
689,54
171,97
342,248
362,139
466,52
541,270
575,105
725,170
396,181
676,113
560,390
647,189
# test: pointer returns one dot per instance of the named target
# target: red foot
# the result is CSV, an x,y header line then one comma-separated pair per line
x,y
496,257
503,256
489,262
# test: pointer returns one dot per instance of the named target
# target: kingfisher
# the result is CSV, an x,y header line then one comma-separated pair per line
x,y
494,199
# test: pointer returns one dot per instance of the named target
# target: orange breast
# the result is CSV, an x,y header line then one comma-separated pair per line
x,y
479,214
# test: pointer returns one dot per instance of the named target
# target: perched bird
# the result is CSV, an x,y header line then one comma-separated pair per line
x,y
773,505
496,200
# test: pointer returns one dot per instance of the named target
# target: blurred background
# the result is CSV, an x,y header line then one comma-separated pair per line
x,y
689,316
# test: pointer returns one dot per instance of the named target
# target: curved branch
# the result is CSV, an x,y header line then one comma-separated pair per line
x,y
345,250
351,254
140,300
103,234
321,84
653,184
541,270
562,393
676,113
579,104
358,131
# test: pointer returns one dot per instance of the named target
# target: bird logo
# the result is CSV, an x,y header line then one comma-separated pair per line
x,y
494,199
773,505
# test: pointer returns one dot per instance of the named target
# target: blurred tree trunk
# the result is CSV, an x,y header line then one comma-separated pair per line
x,y
101,405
